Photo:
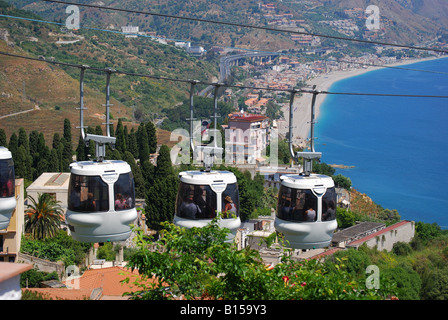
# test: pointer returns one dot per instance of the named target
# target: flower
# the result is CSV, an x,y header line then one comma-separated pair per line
x,y
303,284
285,279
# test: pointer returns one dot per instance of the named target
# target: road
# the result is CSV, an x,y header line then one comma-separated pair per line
x,y
225,63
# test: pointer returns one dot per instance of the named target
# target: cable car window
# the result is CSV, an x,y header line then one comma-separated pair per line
x,y
88,194
7,178
296,205
124,191
230,201
329,205
196,202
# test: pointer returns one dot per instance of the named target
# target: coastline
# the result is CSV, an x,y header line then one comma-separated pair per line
x,y
323,82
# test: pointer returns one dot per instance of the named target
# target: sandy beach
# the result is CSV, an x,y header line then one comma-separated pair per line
x,y
302,104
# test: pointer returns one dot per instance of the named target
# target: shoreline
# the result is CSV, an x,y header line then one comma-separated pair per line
x,y
323,82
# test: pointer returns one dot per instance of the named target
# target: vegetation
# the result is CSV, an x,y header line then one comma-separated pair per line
x,y
197,263
33,278
59,248
43,217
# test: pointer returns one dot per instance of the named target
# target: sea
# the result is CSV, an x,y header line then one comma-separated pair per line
x,y
398,146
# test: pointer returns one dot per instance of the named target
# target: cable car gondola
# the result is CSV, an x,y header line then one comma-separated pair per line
x,y
204,193
101,195
306,209
101,201
7,184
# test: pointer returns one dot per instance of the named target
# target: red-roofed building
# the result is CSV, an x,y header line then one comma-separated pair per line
x,y
385,239
96,284
247,135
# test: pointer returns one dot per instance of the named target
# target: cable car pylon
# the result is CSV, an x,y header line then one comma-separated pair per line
x,y
204,193
101,194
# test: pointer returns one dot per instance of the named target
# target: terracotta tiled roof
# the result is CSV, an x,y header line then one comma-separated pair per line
x,y
61,293
108,279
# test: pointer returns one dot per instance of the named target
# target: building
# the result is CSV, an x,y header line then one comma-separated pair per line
x,y
10,238
246,137
54,183
385,239
130,31
97,284
342,238
10,280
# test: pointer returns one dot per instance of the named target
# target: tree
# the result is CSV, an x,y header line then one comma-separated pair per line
x,y
121,143
13,145
22,164
132,143
407,280
152,136
3,142
161,208
427,231
198,263
342,182
436,285
142,143
164,165
345,218
43,217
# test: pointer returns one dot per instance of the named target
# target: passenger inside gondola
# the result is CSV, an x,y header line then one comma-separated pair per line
x,y
297,205
229,208
201,196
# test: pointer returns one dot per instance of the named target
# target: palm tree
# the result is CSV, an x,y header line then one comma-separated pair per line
x,y
43,217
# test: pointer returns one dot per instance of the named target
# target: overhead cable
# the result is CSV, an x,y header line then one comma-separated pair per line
x,y
245,49
233,24
107,70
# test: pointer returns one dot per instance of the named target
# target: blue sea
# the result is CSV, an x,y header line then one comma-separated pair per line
x,y
397,145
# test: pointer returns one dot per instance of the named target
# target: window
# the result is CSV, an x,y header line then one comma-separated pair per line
x,y
124,191
88,194
296,205
329,205
7,178
230,201
196,202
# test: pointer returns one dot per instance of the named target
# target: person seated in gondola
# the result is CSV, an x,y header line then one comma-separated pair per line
x,y
200,199
188,209
297,211
128,201
120,202
330,212
310,214
90,203
285,210
229,207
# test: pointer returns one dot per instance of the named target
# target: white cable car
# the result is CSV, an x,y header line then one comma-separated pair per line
x,y
7,185
204,193
101,201
306,209
101,195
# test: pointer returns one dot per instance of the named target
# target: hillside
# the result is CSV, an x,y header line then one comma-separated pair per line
x,y
402,21
47,91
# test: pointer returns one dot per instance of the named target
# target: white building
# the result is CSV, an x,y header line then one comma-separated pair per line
x,y
130,31
246,136
54,183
